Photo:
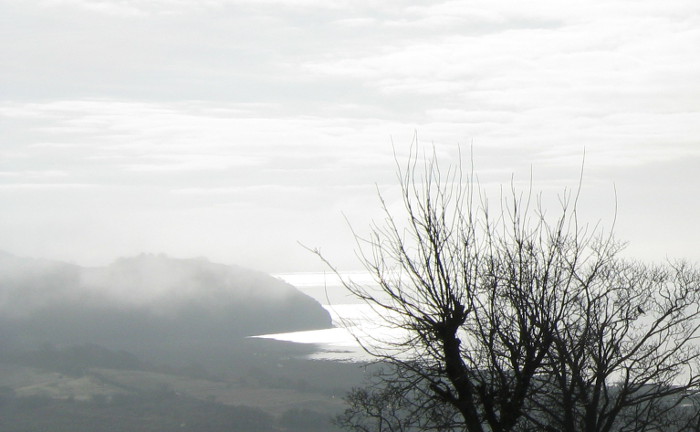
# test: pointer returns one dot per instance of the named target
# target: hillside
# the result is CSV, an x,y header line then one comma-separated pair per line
x,y
152,343
162,309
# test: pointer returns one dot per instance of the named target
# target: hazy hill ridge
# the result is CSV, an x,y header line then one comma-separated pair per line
x,y
150,304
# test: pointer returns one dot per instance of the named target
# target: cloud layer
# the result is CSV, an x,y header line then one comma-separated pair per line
x,y
235,129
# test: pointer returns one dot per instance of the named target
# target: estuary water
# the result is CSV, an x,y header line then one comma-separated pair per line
x,y
354,321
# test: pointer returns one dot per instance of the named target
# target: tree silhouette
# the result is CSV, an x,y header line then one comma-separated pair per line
x,y
516,320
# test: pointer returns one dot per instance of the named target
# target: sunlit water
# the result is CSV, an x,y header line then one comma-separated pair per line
x,y
354,321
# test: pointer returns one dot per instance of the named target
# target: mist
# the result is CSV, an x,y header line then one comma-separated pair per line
x,y
163,331
160,160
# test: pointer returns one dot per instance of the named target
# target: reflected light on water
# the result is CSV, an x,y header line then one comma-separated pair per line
x,y
353,320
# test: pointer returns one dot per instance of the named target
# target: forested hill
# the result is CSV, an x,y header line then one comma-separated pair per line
x,y
149,304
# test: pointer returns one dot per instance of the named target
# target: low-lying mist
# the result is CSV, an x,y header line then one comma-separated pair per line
x,y
153,305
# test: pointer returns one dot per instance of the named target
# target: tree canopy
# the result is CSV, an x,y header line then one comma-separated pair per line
x,y
519,318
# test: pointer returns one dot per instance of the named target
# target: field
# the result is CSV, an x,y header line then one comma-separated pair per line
x,y
103,399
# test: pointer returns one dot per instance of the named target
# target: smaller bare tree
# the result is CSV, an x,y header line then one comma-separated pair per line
x,y
394,402
626,353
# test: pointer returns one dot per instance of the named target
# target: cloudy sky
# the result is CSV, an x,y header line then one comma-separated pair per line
x,y
234,129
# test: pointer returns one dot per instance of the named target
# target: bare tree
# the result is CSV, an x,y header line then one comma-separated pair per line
x,y
520,321
625,356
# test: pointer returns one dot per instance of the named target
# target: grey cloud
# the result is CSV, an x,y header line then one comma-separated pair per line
x,y
236,128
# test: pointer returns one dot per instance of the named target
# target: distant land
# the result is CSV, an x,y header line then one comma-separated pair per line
x,y
153,343
156,306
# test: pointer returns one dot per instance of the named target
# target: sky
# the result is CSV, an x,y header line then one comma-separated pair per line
x,y
238,129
